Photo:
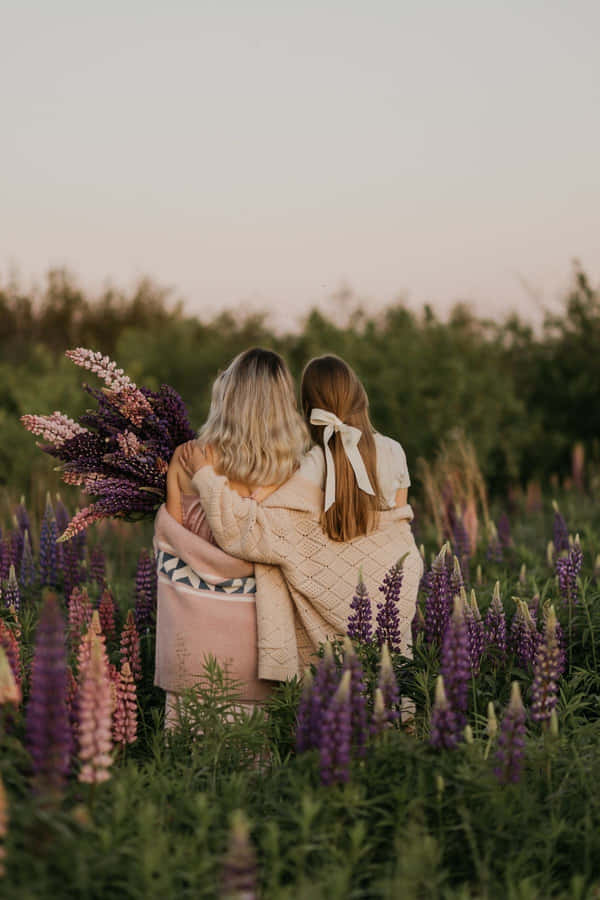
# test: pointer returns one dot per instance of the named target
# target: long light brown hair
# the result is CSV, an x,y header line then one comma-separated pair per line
x,y
254,424
329,383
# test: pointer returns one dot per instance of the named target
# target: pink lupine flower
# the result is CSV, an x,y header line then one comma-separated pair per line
x,y
103,366
129,444
106,611
56,429
10,644
10,691
80,613
85,645
130,646
95,713
125,717
81,520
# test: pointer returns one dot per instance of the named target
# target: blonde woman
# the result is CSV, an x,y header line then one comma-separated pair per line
x,y
255,437
344,509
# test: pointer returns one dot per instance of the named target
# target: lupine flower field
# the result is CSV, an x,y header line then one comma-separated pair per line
x,y
470,770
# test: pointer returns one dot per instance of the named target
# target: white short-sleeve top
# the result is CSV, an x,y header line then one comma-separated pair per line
x,y
392,470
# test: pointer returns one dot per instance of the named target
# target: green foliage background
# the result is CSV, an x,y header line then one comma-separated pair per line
x,y
523,398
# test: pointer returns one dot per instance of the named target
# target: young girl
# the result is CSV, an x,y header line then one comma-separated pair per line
x,y
343,510
256,437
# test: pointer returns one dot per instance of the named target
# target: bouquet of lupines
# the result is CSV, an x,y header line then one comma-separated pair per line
x,y
118,453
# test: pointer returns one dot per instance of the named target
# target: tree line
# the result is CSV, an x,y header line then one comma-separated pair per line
x,y
523,397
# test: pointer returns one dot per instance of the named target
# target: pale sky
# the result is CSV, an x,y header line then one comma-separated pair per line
x,y
265,153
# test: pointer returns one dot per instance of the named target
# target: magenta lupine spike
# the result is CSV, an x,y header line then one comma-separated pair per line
x,y
80,614
107,611
560,532
444,733
28,573
455,665
336,735
145,590
10,644
438,602
388,619
48,563
360,627
546,672
475,632
11,595
97,566
568,569
95,702
130,647
495,625
48,729
55,429
125,713
511,740
358,700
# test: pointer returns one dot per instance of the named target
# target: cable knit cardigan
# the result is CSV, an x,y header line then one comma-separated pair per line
x,y
305,581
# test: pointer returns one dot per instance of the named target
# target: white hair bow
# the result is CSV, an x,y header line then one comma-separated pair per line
x,y
350,438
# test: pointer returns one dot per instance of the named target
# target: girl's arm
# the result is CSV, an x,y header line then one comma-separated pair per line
x,y
240,525
401,496
173,503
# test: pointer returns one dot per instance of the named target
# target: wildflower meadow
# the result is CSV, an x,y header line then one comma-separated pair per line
x,y
468,770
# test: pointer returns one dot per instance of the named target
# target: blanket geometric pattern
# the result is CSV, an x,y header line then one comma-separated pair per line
x,y
180,572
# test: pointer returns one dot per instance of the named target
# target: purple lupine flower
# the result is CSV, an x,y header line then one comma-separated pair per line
x,y
5,557
547,669
321,691
28,573
358,700
97,566
72,574
387,685
80,541
560,532
504,532
388,619
445,730
336,735
10,591
145,590
523,635
567,570
439,596
495,625
48,537
17,541
360,626
475,632
511,740
560,638
455,663
304,722
461,545
49,738
22,517
494,551
417,626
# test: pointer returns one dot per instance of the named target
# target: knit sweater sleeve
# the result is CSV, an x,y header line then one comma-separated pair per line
x,y
240,525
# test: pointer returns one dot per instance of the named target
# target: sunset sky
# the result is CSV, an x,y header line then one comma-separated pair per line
x,y
266,153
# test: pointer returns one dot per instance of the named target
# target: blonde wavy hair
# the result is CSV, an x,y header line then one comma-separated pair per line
x,y
253,424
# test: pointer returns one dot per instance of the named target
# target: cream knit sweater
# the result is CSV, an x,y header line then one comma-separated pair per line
x,y
305,581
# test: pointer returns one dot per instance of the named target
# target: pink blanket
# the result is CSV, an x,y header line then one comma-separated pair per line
x,y
206,605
